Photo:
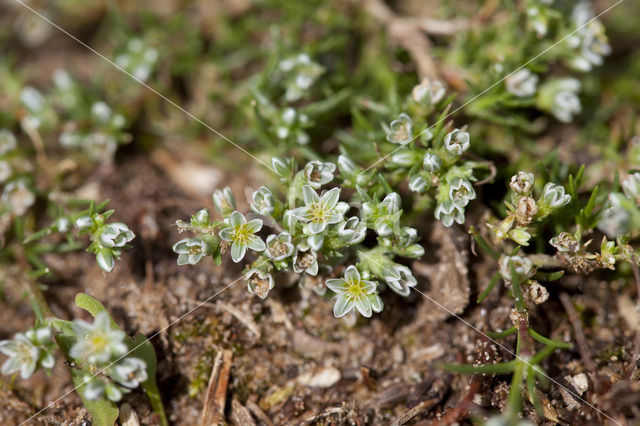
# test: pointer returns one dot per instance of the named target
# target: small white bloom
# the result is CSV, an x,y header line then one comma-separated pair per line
x,y
259,283
554,196
263,201
17,197
241,235
7,141
456,142
129,372
417,184
461,192
428,91
97,342
319,212
400,130
319,173
402,281
116,235
522,83
431,162
190,251
354,293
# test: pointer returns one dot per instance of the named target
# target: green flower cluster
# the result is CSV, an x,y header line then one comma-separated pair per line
x,y
315,233
524,210
107,239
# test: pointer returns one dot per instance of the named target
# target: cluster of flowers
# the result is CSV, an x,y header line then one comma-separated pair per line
x,y
523,267
314,233
97,347
29,351
587,44
16,196
434,164
138,59
295,76
89,124
525,210
107,239
584,49
622,213
558,96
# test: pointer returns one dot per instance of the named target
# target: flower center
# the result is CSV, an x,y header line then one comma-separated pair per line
x,y
241,234
318,212
279,248
305,261
98,342
354,288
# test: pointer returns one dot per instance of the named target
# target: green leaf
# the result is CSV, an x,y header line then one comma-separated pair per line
x,y
140,348
143,349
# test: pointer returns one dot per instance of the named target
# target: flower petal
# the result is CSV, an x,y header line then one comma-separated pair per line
x,y
376,302
237,219
238,251
331,197
337,285
254,226
351,275
342,306
363,305
255,243
309,195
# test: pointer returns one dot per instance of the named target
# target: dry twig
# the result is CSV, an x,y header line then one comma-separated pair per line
x,y
216,396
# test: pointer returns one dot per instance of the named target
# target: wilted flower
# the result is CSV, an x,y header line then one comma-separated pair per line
x,y
241,234
259,282
224,201
28,351
190,250
97,342
461,192
263,201
538,293
526,210
319,212
428,92
279,247
116,235
565,243
319,173
522,83
456,142
522,183
400,130
354,293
